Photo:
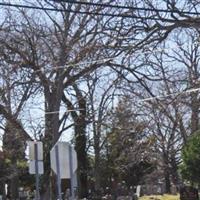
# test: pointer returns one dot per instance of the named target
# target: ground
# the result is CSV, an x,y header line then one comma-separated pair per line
x,y
157,197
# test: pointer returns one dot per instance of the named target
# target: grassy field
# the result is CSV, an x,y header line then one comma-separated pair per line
x,y
158,197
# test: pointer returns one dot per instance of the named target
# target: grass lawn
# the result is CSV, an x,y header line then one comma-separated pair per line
x,y
159,197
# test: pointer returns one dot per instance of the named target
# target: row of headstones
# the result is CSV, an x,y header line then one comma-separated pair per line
x,y
120,192
109,197
23,194
186,193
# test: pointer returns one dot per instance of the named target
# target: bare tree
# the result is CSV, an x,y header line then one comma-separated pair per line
x,y
16,88
58,50
101,91
169,75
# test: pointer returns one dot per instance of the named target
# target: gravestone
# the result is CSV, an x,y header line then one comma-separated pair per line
x,y
189,193
138,191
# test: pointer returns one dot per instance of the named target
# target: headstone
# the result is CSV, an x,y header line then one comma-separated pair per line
x,y
67,194
174,190
189,193
124,198
138,190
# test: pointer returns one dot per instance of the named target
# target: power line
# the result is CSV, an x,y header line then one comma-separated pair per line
x,y
106,5
169,95
77,64
55,112
128,16
139,101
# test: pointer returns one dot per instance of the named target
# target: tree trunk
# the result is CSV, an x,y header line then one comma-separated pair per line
x,y
195,114
14,184
97,169
80,147
167,172
97,177
174,171
80,141
48,184
2,190
167,182
47,194
48,191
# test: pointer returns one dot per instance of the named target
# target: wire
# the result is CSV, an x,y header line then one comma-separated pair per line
x,y
172,94
105,5
85,12
139,101
54,112
76,64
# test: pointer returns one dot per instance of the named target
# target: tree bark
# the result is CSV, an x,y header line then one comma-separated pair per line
x,y
97,172
80,147
80,141
2,190
167,182
14,186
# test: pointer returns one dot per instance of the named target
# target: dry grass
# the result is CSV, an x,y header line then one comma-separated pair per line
x,y
159,197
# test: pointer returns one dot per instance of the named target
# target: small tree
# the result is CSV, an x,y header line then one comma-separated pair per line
x,y
191,159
